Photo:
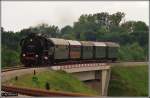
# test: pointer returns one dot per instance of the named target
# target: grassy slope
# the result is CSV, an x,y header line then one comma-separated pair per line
x,y
58,80
129,81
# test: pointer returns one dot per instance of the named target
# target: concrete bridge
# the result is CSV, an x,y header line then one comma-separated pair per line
x,y
84,72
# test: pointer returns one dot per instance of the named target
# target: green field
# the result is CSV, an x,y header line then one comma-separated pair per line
x,y
129,81
58,81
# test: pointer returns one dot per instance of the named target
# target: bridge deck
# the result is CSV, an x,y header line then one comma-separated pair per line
x,y
82,67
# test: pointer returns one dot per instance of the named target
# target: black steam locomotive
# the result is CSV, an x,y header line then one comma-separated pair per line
x,y
37,50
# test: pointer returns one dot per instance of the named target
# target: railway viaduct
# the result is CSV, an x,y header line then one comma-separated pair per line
x,y
93,71
84,72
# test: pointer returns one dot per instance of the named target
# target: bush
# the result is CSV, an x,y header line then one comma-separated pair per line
x,y
9,57
132,52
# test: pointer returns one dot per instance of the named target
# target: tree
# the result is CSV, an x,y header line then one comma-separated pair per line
x,y
102,18
9,57
140,37
116,18
66,30
140,26
2,29
128,26
133,26
86,24
137,52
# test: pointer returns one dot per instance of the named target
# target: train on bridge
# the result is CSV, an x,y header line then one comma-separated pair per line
x,y
39,50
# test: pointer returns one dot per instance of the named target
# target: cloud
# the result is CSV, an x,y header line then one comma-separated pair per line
x,y
18,15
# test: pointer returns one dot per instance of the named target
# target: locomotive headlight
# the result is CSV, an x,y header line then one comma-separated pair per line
x,y
45,57
36,56
23,54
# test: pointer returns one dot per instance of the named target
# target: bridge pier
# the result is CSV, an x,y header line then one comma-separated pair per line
x,y
105,74
84,72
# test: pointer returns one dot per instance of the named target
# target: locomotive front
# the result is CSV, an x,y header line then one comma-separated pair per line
x,y
31,50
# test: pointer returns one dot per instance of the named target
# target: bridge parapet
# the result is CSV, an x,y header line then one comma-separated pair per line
x,y
82,67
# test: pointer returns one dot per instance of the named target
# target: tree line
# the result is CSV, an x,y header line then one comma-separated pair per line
x,y
131,35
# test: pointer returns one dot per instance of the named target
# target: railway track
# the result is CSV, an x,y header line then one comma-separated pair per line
x,y
130,63
6,69
13,68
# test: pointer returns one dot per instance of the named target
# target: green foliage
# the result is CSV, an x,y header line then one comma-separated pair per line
x,y
67,32
9,57
58,81
116,18
129,81
47,86
11,40
131,52
140,26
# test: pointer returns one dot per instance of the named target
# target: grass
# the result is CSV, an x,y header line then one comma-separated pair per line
x,y
58,81
129,81
125,81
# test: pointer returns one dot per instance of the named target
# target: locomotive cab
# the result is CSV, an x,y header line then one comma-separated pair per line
x,y
48,53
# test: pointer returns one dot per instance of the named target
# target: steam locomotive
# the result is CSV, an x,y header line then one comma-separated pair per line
x,y
37,50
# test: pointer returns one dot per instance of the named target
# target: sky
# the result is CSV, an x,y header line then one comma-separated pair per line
x,y
17,15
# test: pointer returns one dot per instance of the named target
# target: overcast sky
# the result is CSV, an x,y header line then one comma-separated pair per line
x,y
18,15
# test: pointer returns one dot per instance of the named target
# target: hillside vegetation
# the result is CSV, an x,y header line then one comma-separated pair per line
x,y
125,81
57,80
129,81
